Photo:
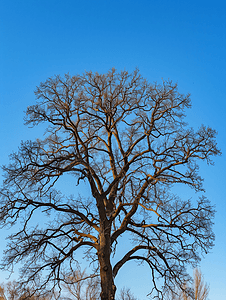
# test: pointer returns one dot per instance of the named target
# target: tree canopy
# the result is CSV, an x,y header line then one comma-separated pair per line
x,y
128,141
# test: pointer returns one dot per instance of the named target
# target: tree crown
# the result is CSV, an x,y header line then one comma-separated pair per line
x,y
127,139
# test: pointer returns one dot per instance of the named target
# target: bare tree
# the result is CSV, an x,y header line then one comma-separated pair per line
x,y
12,291
126,139
201,289
198,291
81,286
126,294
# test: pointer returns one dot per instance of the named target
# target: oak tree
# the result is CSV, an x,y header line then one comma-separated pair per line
x,y
126,140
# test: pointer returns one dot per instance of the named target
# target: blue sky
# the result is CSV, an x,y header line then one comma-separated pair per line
x,y
181,40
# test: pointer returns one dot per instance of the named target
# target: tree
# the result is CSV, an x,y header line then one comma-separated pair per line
x,y
127,140
12,291
81,286
125,294
84,287
199,290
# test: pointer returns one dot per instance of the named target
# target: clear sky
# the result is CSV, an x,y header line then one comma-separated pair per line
x,y
181,40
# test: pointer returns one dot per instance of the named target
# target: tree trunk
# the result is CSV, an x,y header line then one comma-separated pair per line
x,y
107,282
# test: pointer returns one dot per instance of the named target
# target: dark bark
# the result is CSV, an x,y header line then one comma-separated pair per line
x,y
108,288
